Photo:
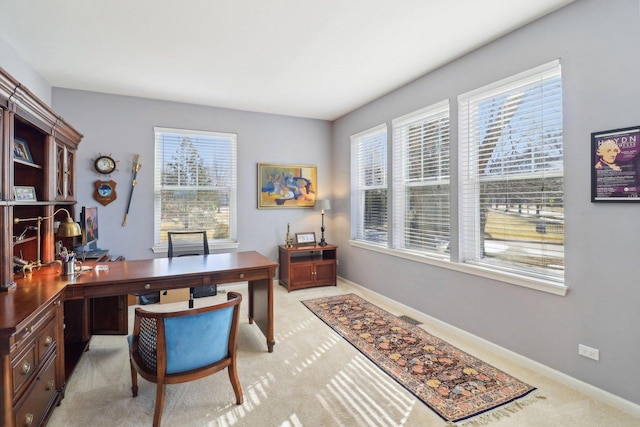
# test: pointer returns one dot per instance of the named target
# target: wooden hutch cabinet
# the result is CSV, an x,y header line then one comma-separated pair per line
x,y
306,266
38,153
36,179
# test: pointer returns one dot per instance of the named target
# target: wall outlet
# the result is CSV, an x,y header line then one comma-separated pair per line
x,y
586,351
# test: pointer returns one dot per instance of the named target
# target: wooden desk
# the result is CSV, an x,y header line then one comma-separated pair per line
x,y
37,298
128,277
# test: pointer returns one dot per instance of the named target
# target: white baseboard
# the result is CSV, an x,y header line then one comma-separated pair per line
x,y
579,385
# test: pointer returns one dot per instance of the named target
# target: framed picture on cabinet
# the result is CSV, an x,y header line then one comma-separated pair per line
x,y
21,150
308,238
24,194
286,186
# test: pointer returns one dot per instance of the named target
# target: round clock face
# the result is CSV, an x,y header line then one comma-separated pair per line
x,y
105,164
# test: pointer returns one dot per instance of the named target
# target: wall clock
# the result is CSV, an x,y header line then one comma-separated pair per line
x,y
105,191
104,164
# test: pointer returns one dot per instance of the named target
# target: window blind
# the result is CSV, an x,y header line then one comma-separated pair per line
x,y
421,188
194,183
369,185
511,174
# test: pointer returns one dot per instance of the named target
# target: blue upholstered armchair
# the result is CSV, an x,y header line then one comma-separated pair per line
x,y
181,346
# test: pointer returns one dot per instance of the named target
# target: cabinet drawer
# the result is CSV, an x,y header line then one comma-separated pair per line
x,y
47,340
23,367
26,332
232,277
35,405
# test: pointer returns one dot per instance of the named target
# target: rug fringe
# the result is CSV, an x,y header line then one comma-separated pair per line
x,y
502,412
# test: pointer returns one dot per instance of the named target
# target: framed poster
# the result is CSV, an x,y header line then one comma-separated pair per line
x,y
615,165
286,186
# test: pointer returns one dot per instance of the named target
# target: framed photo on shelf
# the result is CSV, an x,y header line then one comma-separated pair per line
x,y
307,238
24,194
21,150
615,165
286,186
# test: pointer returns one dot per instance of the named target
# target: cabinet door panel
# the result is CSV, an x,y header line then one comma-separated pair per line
x,y
109,315
326,273
302,274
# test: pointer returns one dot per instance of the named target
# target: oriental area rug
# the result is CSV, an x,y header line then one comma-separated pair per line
x,y
454,384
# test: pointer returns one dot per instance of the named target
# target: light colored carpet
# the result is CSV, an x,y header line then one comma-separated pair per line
x,y
313,378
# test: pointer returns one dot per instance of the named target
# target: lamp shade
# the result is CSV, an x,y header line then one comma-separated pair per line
x,y
323,204
69,228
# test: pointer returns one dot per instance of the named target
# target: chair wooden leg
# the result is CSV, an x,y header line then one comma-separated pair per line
x,y
157,415
235,383
134,379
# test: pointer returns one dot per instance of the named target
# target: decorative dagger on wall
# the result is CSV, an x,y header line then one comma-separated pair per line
x,y
135,169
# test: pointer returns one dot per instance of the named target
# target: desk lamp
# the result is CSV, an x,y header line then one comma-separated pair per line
x,y
323,205
67,228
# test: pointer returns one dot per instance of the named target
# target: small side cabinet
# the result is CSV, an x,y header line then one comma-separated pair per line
x,y
307,266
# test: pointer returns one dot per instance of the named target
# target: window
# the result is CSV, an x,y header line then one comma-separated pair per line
x,y
421,180
369,185
195,184
511,175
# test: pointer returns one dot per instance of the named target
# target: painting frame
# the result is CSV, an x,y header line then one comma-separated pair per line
x,y
21,150
287,186
24,194
615,165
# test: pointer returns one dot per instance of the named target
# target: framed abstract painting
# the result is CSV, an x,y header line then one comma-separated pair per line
x,y
287,186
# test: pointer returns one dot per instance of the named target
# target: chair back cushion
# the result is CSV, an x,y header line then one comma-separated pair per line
x,y
197,340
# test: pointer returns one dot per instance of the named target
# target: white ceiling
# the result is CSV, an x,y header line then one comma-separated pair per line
x,y
309,58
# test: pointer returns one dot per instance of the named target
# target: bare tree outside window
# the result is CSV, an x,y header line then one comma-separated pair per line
x,y
512,191
195,183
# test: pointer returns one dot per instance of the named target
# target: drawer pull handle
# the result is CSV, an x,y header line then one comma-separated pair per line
x,y
48,341
147,286
26,368
50,385
28,419
242,275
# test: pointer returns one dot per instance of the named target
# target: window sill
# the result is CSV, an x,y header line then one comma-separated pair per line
x,y
213,246
476,270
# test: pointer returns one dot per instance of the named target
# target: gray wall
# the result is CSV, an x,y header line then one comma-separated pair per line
x,y
15,65
598,44
123,126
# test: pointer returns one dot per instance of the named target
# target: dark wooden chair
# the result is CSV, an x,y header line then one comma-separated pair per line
x,y
196,243
181,346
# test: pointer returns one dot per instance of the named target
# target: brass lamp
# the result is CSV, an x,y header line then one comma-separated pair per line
x,y
67,228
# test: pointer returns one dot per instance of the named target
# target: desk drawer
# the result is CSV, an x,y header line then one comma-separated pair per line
x,y
26,332
163,284
231,276
133,287
47,340
41,397
24,367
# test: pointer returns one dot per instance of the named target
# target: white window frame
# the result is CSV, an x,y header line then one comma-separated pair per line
x,y
469,178
363,145
229,183
409,158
